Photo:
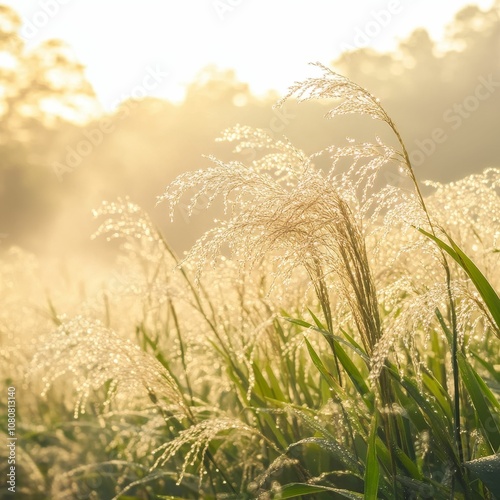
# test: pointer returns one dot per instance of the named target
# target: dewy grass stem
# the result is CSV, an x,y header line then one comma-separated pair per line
x,y
451,301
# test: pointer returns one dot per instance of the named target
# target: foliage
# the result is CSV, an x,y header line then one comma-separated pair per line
x,y
331,338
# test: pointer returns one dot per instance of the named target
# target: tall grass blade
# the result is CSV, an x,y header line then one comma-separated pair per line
x,y
372,466
487,292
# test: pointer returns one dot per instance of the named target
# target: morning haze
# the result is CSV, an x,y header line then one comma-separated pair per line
x,y
61,156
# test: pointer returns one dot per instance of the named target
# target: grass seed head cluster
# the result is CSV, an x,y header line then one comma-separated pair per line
x,y
314,340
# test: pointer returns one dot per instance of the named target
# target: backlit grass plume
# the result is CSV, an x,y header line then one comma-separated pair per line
x,y
94,356
283,205
331,337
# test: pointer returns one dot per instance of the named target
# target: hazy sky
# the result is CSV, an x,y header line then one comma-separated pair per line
x,y
162,44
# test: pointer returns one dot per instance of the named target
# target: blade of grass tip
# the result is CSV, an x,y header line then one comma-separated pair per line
x,y
482,285
346,362
411,409
355,375
351,340
330,379
261,383
53,312
486,391
316,320
440,395
408,464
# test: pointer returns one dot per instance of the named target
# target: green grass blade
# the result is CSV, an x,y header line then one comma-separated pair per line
x,y
430,411
487,469
295,490
275,386
321,367
372,466
352,371
316,320
408,464
350,368
261,383
488,366
440,395
475,390
483,286
487,393
326,334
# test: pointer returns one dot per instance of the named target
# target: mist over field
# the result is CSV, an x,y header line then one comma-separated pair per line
x,y
212,287
444,100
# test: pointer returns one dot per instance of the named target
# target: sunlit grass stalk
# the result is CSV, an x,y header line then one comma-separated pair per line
x,y
371,409
208,458
451,301
356,99
453,315
321,290
195,293
182,348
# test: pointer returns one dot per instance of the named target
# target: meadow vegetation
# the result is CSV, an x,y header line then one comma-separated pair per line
x,y
333,336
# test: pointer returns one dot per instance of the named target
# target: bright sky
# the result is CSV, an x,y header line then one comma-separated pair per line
x,y
157,46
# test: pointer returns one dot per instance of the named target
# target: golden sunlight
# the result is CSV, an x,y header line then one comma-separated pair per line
x,y
249,249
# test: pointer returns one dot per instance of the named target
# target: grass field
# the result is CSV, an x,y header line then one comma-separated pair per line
x,y
336,335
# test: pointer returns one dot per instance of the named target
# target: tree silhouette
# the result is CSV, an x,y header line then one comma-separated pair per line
x,y
39,91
